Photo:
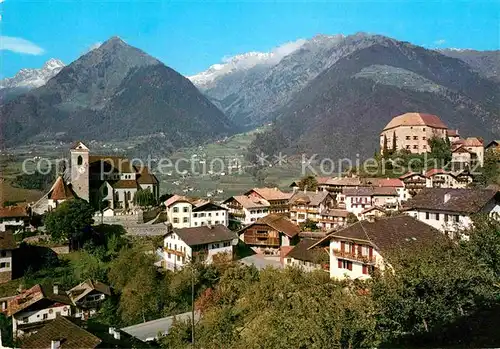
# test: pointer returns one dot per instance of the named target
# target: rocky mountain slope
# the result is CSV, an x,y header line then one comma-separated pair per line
x,y
27,79
342,110
114,92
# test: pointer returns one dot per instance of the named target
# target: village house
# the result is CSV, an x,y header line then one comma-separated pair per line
x,y
332,218
493,145
356,250
307,259
310,205
449,210
278,200
88,297
32,308
411,132
360,199
453,136
372,213
439,178
13,218
71,333
474,146
61,333
414,182
246,210
270,234
7,246
114,179
182,245
185,212
334,185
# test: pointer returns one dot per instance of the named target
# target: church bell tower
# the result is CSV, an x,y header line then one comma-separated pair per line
x,y
80,170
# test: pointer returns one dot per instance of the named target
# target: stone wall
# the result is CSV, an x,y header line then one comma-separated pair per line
x,y
5,276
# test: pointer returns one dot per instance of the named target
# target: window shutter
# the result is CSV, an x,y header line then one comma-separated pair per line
x,y
365,269
340,263
349,265
342,246
360,250
370,251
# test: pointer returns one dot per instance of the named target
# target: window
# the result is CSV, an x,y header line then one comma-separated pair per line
x,y
415,146
176,209
446,217
169,255
176,220
457,218
178,258
426,215
227,244
195,215
184,220
45,316
195,224
4,253
408,138
424,146
216,222
79,161
175,247
185,209
2,265
216,213
408,147
437,216
343,264
215,245
209,214
424,138
365,269
415,138
423,129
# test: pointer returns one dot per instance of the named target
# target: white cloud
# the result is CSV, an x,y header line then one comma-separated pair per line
x,y
20,45
287,48
440,42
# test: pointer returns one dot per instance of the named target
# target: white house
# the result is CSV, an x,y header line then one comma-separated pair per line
x,y
34,307
7,246
358,200
359,248
451,209
88,297
246,210
309,205
181,245
185,212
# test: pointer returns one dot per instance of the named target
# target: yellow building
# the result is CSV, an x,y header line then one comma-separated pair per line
x,y
411,131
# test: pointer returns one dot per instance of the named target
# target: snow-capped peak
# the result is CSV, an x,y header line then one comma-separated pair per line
x,y
31,78
244,62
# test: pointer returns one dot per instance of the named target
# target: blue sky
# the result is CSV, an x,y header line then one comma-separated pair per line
x,y
191,35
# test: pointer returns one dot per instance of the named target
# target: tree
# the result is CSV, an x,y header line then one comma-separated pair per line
x,y
440,150
351,218
309,225
71,221
144,198
385,149
491,168
394,143
308,183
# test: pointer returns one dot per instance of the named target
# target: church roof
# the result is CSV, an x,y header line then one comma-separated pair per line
x,y
60,190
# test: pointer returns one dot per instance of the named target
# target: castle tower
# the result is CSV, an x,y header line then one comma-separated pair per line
x,y
80,170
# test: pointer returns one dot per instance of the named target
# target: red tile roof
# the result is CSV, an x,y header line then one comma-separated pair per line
x,y
60,190
384,182
270,193
13,212
125,184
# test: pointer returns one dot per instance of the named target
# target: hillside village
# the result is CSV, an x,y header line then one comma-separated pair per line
x,y
345,228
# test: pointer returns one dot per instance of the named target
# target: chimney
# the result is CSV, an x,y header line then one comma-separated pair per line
x,y
55,289
447,197
55,344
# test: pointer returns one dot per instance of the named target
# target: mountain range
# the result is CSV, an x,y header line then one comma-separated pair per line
x,y
114,92
333,94
329,95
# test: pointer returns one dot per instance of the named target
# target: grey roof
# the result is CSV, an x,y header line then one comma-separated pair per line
x,y
312,198
387,233
458,200
302,252
149,330
204,234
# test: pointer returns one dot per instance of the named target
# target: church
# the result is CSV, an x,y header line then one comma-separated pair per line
x,y
109,178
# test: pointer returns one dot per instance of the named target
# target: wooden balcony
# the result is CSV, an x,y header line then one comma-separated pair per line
x,y
256,239
354,257
174,252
